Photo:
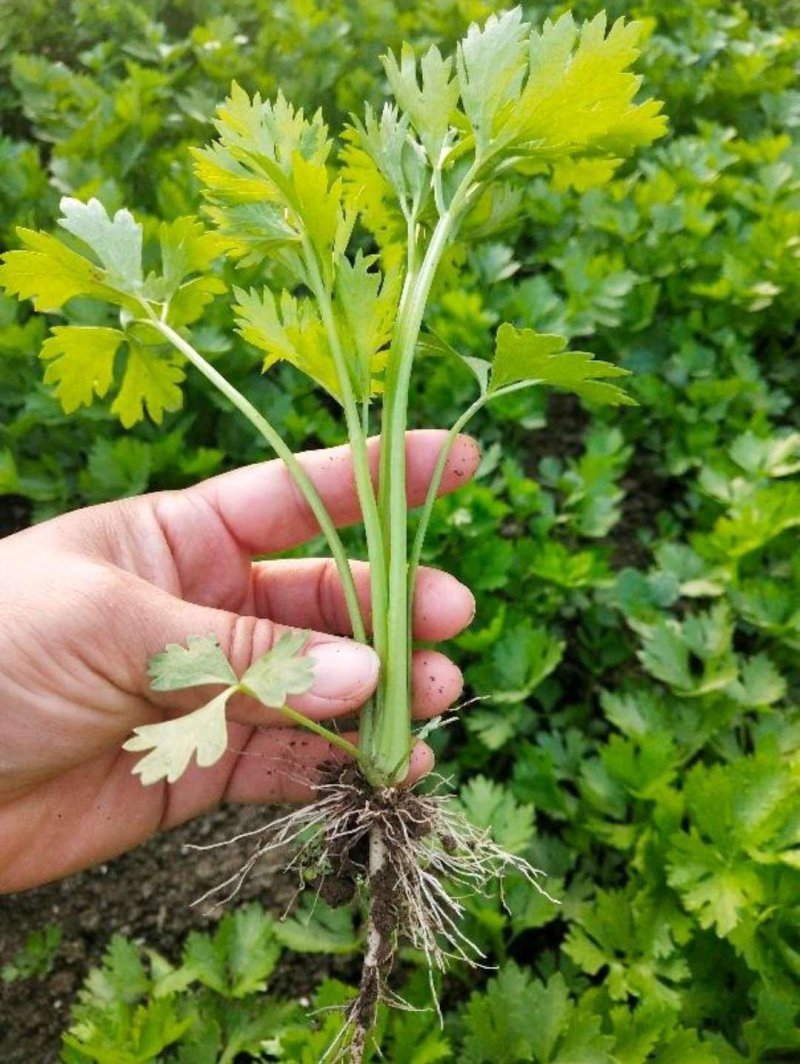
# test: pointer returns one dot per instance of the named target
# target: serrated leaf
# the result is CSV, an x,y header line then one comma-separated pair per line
x,y
430,104
150,385
521,1019
238,958
290,330
384,177
172,743
281,672
491,62
521,659
122,975
693,657
757,520
759,684
50,274
775,456
490,805
117,241
117,469
318,928
267,152
539,358
632,936
582,74
200,662
709,886
368,302
80,362
318,201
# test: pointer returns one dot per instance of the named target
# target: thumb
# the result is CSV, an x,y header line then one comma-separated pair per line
x,y
345,672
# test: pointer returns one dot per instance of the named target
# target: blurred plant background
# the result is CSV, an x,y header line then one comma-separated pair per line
x,y
637,571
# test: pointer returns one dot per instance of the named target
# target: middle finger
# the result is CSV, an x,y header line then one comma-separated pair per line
x,y
307,593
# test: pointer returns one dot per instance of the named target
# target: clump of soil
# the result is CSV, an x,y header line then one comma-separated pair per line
x,y
15,514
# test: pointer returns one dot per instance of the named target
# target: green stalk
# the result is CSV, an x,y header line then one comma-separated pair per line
x,y
363,478
386,730
433,491
311,725
298,474
436,479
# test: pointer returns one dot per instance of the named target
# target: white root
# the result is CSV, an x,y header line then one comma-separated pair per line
x,y
418,858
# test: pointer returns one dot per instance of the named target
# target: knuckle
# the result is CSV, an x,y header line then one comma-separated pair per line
x,y
246,639
327,593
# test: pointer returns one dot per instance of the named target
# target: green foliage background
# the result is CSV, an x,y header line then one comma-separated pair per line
x,y
637,574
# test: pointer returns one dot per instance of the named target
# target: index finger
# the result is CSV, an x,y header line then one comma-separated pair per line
x,y
263,510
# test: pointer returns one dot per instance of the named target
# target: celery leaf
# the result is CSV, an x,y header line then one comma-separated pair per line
x,y
525,356
281,672
117,241
172,743
150,383
200,662
80,362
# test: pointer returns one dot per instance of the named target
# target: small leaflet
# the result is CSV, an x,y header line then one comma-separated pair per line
x,y
203,734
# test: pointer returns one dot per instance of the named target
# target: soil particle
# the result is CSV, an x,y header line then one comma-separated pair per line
x,y
646,495
145,895
563,437
15,514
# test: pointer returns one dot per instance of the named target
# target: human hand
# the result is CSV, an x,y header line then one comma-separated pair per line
x,y
86,598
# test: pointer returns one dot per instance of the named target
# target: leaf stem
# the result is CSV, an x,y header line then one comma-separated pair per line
x,y
386,740
298,474
438,472
358,448
311,725
433,491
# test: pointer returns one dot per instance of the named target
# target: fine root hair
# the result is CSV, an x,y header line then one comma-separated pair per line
x,y
416,857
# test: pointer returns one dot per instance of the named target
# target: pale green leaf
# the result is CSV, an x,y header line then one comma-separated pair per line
x,y
202,734
368,302
713,888
383,178
281,672
318,928
773,456
693,657
187,304
520,1019
291,331
490,805
491,64
117,241
523,355
187,247
240,956
430,104
318,202
80,362
760,683
757,520
200,662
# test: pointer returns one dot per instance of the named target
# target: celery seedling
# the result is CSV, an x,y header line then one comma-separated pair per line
x,y
352,237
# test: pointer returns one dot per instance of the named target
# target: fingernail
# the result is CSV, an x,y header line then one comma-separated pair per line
x,y
344,670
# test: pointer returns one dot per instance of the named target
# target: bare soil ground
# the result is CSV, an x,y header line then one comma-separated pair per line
x,y
143,895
